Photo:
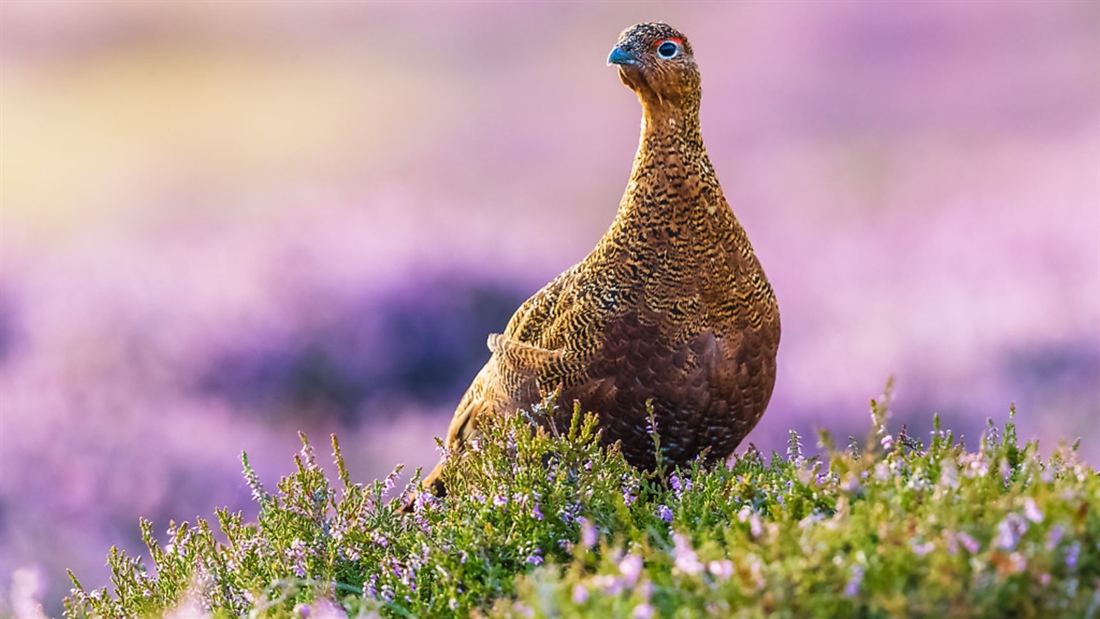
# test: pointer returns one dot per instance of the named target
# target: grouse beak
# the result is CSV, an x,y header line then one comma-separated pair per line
x,y
620,56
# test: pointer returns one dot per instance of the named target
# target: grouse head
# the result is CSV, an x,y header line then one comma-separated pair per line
x,y
656,62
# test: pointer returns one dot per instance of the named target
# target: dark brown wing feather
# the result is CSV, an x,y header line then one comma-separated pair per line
x,y
705,394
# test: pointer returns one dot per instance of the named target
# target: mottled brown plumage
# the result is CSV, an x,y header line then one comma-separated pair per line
x,y
671,306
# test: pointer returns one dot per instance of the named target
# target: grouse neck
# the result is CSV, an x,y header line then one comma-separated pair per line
x,y
671,161
667,122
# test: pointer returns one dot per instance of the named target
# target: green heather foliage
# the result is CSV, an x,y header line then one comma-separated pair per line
x,y
545,525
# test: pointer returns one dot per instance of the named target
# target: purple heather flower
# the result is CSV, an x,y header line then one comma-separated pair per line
x,y
881,472
969,543
535,559
297,556
349,553
326,609
978,466
794,449
745,514
1031,510
887,442
952,542
391,479
922,549
756,527
756,570
674,481
686,559
588,533
631,568
643,611
721,570
1010,530
679,485
1072,552
854,583
380,539
253,482
1005,470
307,455
536,513
608,584
1055,536
664,513
850,483
568,513
580,594
628,496
949,475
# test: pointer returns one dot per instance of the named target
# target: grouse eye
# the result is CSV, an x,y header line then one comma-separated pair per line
x,y
668,50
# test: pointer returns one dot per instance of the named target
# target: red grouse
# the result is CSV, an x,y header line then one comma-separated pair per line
x,y
671,307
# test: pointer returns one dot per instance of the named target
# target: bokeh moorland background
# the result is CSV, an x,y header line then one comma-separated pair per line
x,y
225,222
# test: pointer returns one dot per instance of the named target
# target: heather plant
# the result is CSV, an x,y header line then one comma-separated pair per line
x,y
546,524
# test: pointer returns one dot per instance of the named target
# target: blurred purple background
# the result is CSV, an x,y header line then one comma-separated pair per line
x,y
225,222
